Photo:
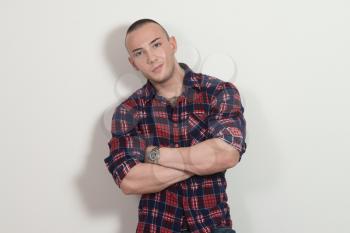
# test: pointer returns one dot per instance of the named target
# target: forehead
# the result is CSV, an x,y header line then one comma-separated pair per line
x,y
143,35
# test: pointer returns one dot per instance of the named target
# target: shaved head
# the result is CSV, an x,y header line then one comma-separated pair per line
x,y
139,23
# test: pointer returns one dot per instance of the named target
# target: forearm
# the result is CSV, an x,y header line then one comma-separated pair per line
x,y
151,178
205,158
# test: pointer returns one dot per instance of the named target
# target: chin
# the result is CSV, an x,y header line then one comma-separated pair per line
x,y
158,79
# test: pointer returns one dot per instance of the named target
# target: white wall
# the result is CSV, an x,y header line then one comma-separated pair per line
x,y
63,68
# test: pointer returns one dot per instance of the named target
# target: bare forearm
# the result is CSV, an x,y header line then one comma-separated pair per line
x,y
207,157
151,178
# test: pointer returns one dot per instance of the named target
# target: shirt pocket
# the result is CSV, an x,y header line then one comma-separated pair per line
x,y
197,126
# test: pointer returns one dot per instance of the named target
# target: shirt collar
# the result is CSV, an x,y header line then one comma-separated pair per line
x,y
190,81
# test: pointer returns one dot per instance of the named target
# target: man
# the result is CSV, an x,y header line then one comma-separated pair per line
x,y
173,139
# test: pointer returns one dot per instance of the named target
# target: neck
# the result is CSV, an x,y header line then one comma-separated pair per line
x,y
173,86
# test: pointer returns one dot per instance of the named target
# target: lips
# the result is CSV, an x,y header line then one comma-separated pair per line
x,y
157,68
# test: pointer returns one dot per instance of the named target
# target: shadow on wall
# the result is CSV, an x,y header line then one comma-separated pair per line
x,y
100,195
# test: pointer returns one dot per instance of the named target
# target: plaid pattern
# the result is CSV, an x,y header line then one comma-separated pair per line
x,y
208,108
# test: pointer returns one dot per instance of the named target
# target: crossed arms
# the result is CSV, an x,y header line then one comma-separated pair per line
x,y
226,126
177,164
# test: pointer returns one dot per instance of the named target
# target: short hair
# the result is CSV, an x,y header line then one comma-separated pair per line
x,y
137,24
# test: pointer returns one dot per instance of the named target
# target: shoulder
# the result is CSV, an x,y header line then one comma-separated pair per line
x,y
135,100
214,85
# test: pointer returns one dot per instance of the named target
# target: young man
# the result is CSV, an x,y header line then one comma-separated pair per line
x,y
173,139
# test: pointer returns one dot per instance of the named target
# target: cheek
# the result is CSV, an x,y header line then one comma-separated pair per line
x,y
161,53
140,64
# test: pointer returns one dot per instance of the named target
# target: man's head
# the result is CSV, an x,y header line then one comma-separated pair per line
x,y
151,50
141,22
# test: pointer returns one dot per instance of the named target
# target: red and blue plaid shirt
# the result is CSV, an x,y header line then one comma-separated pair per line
x,y
208,108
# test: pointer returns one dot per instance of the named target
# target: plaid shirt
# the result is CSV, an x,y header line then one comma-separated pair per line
x,y
208,108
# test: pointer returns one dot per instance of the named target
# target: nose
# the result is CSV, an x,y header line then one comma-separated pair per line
x,y
151,58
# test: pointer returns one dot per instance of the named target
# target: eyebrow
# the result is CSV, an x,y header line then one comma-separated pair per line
x,y
149,43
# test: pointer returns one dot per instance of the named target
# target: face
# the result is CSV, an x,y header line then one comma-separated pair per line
x,y
151,52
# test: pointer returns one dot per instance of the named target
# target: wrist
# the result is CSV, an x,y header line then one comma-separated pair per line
x,y
152,154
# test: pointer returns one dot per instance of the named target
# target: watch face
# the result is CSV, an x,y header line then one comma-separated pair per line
x,y
152,155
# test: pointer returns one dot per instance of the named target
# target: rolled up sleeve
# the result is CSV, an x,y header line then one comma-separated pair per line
x,y
226,120
126,146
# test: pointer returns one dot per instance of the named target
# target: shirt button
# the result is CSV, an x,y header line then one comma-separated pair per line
x,y
176,145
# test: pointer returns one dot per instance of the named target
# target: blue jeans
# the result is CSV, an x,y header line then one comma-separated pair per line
x,y
218,230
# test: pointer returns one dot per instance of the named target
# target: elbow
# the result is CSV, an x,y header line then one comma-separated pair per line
x,y
227,154
232,158
126,187
130,184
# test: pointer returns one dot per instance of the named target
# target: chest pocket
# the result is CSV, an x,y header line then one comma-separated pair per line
x,y
197,126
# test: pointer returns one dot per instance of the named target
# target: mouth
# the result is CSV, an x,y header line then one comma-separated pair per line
x,y
157,68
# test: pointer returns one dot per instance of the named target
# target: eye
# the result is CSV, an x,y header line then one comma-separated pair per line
x,y
156,45
138,53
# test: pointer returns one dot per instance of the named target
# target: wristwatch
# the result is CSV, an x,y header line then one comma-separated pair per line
x,y
153,155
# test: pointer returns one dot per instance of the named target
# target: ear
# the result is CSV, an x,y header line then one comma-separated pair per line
x,y
131,61
173,43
